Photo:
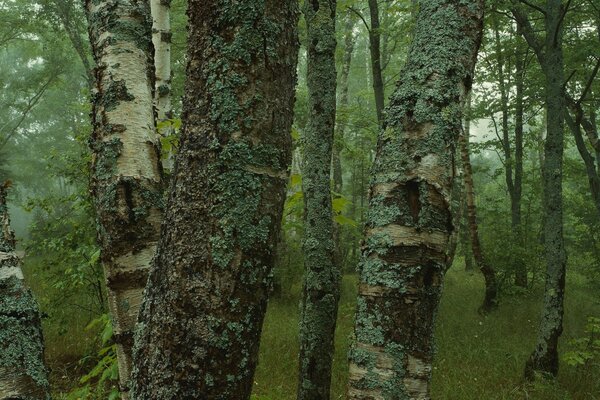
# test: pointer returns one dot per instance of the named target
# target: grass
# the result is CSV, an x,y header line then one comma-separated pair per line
x,y
478,357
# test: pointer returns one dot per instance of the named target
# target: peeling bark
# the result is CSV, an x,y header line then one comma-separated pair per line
x,y
200,324
126,182
409,224
321,290
23,375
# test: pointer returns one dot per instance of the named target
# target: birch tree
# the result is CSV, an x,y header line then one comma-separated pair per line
x,y
23,374
200,324
126,183
409,224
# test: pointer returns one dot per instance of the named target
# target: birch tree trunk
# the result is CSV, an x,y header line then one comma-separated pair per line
x,y
516,195
23,374
126,182
200,324
409,223
161,39
490,300
322,276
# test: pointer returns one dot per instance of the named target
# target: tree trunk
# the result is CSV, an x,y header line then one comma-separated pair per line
x,y
322,275
126,182
544,358
516,195
490,300
200,324
22,371
409,223
161,39
342,117
375,51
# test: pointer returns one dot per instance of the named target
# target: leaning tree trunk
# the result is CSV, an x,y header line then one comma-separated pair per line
x,y
200,325
23,375
126,164
490,300
322,275
409,224
544,358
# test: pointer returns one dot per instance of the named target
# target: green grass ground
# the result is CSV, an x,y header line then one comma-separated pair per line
x,y
478,357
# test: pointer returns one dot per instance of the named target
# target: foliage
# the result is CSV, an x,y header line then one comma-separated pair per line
x,y
585,350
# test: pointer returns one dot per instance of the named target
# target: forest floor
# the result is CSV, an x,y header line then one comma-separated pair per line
x,y
478,358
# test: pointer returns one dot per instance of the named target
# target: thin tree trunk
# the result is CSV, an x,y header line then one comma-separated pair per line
x,y
342,117
126,183
490,300
22,371
409,223
161,39
516,195
544,358
375,51
322,276
200,324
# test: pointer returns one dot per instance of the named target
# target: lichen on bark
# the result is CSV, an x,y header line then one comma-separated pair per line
x,y
322,275
23,374
126,181
407,232
202,315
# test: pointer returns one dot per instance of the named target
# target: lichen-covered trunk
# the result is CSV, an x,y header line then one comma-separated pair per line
x,y
375,52
490,300
544,358
200,324
23,375
409,224
516,195
161,39
126,168
322,275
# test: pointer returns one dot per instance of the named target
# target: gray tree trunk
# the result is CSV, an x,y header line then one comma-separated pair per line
x,y
544,358
376,68
409,224
516,195
23,375
126,183
200,324
322,275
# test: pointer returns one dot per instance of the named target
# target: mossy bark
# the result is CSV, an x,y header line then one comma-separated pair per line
x,y
409,224
544,358
490,300
126,183
322,275
200,324
23,375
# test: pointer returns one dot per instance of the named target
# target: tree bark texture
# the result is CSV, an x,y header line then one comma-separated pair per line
x,y
409,224
322,275
23,375
126,183
490,300
544,358
200,324
375,51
